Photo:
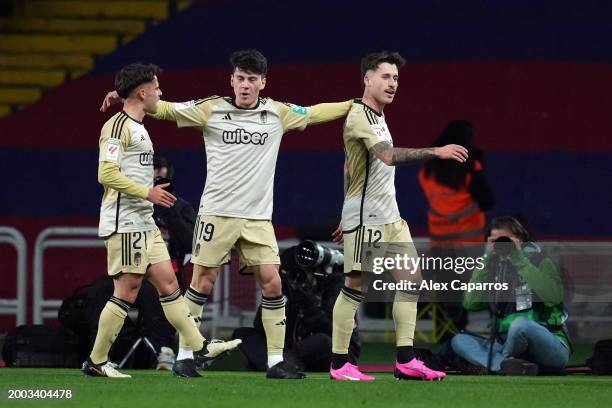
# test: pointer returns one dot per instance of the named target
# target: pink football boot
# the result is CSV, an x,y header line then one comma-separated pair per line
x,y
349,372
415,369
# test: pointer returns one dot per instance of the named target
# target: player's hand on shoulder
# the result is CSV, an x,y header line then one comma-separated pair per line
x,y
337,235
157,195
452,151
110,99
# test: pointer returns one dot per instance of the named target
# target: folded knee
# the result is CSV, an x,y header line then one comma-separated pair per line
x,y
519,325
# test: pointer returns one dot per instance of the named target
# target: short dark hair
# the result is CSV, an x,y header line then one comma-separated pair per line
x,y
373,60
132,76
512,224
249,60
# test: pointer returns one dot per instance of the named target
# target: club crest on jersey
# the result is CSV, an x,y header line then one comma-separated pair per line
x,y
137,259
241,136
263,117
380,132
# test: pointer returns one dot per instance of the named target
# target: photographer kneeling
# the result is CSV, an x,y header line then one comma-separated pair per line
x,y
312,277
528,333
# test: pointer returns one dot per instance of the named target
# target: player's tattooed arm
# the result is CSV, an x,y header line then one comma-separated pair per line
x,y
397,156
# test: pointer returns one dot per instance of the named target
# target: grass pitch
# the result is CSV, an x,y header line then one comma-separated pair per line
x,y
150,389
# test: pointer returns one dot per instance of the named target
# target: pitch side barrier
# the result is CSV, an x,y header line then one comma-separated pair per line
x,y
222,312
16,306
57,237
592,260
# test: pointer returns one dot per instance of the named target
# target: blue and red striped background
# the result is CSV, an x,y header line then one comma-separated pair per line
x,y
535,79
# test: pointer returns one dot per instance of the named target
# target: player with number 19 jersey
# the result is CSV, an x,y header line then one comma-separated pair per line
x,y
241,151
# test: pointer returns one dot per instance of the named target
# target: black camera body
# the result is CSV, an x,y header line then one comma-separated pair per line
x,y
163,180
309,263
503,246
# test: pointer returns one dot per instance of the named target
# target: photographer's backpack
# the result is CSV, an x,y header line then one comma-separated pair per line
x,y
72,315
601,362
41,346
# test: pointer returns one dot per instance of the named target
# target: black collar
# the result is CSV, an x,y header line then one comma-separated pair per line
x,y
233,103
137,121
359,101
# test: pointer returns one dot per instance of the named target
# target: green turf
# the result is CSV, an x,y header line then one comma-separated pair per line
x,y
150,389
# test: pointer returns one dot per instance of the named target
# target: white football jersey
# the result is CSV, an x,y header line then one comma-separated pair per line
x,y
125,141
241,150
370,198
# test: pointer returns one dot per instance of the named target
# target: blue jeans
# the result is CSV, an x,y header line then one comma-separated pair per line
x,y
525,339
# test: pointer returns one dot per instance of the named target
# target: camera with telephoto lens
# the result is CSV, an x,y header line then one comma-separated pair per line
x,y
503,246
310,254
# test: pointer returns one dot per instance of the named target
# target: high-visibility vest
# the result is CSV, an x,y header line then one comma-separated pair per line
x,y
454,215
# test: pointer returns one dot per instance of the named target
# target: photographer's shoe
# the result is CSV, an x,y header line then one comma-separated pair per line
x,y
415,369
185,368
349,372
213,350
516,366
285,371
165,359
465,367
102,370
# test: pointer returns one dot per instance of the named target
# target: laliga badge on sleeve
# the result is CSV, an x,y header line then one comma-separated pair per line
x,y
300,110
112,150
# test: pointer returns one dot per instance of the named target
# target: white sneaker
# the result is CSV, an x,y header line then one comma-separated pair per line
x,y
110,369
165,359
102,370
214,349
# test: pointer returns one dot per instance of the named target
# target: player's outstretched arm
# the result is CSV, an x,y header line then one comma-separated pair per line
x,y
325,112
192,113
164,109
109,175
397,156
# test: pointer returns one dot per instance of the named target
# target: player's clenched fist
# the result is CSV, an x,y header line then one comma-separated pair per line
x,y
452,151
157,195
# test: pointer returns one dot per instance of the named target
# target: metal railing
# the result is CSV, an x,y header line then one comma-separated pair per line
x,y
47,308
219,314
17,306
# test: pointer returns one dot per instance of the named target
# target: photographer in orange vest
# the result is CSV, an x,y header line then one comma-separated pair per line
x,y
458,194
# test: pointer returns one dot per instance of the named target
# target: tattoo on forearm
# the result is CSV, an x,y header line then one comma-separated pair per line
x,y
397,155
408,156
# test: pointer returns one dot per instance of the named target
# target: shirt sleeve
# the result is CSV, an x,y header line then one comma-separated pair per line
x,y
325,112
544,278
292,116
360,128
114,139
186,114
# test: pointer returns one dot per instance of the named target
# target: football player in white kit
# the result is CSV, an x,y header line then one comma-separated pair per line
x,y
242,136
